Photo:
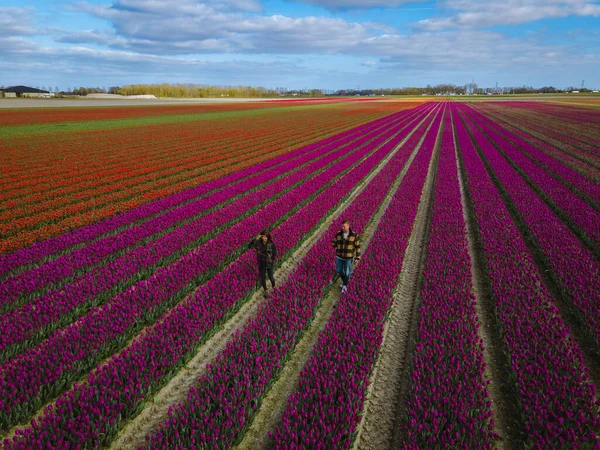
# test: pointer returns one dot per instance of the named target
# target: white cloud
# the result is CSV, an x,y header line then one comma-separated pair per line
x,y
454,50
472,14
140,33
148,26
16,21
359,4
377,26
15,44
20,62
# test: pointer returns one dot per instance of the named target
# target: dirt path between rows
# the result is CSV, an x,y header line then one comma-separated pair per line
x,y
591,172
378,429
502,391
486,332
274,404
133,434
286,266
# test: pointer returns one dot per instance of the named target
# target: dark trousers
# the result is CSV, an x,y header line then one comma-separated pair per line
x,y
265,271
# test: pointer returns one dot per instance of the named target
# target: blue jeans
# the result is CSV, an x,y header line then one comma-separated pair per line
x,y
344,269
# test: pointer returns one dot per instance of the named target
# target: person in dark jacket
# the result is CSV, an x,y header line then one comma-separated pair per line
x,y
266,254
347,251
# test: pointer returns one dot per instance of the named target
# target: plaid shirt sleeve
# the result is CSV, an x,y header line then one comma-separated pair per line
x,y
357,247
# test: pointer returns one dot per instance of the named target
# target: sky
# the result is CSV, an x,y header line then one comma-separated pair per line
x,y
300,44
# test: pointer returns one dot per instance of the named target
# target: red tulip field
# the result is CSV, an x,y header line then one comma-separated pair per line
x,y
132,317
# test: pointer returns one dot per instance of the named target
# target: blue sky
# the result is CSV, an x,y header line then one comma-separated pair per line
x,y
326,44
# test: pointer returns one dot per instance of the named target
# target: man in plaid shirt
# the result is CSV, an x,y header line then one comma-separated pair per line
x,y
347,250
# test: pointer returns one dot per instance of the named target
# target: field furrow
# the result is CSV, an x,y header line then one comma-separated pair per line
x,y
76,341
326,407
538,347
88,147
236,198
257,434
131,316
579,215
573,160
42,251
448,365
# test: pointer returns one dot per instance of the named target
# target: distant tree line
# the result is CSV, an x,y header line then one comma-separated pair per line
x,y
197,91
451,89
200,91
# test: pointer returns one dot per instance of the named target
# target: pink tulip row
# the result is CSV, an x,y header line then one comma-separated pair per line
x,y
51,311
107,248
118,389
541,153
223,402
572,265
130,306
586,119
245,193
575,163
571,117
576,211
45,250
569,141
554,397
64,305
555,135
255,190
448,400
325,410
573,113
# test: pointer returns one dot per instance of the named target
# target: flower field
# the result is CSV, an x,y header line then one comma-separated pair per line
x,y
67,174
471,321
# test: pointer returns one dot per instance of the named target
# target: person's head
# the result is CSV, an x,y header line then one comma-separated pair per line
x,y
265,236
346,226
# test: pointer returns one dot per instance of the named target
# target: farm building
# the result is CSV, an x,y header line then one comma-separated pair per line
x,y
24,91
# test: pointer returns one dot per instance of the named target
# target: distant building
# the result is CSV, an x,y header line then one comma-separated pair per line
x,y
24,91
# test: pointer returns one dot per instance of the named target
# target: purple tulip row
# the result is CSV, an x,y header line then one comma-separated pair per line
x,y
64,352
577,211
574,114
325,410
117,389
22,323
540,155
223,402
185,218
563,141
558,134
448,400
51,311
71,263
550,378
573,265
45,249
577,164
570,116
582,123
